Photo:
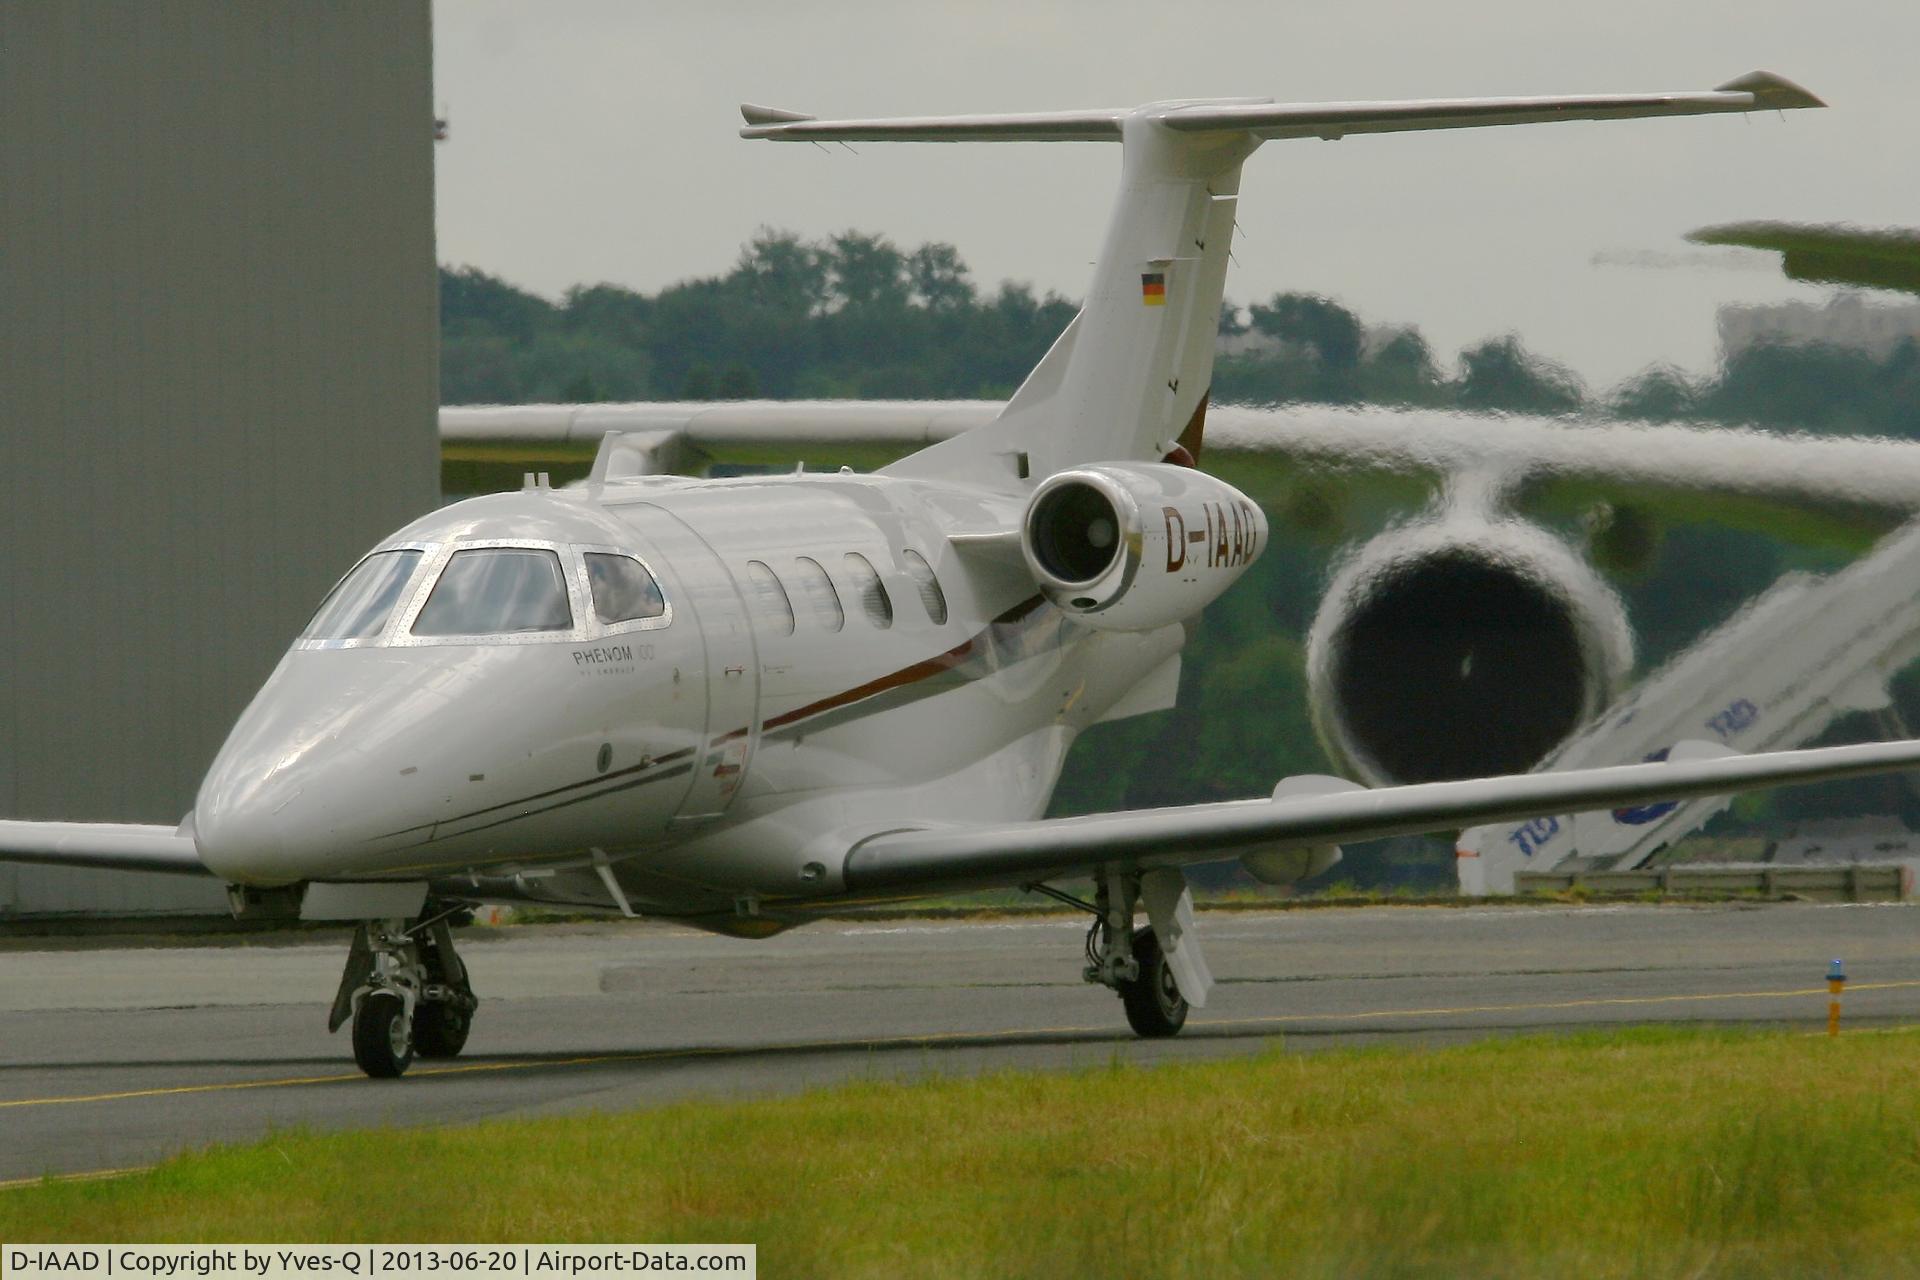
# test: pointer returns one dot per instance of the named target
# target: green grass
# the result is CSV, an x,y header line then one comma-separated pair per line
x,y
1641,1153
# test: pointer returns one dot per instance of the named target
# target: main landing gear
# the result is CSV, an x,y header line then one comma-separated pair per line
x,y
1143,965
406,992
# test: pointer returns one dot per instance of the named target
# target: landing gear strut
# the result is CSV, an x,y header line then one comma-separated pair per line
x,y
1131,961
406,992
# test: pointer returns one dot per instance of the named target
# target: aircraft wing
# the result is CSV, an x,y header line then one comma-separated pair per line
x,y
117,846
1843,490
1873,259
1838,489
677,436
964,856
1305,814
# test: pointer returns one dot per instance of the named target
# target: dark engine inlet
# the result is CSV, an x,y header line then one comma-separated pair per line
x,y
1457,664
1075,532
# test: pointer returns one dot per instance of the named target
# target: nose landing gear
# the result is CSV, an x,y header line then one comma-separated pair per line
x,y
406,992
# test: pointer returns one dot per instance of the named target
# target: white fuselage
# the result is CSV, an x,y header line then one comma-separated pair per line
x,y
784,695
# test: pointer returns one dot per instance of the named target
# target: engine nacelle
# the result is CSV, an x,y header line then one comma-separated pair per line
x,y
1460,649
1130,546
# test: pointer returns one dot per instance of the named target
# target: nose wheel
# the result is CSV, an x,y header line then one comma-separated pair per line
x,y
407,994
382,1035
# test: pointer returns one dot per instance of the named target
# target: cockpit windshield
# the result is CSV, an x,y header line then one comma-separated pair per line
x,y
360,605
497,591
504,592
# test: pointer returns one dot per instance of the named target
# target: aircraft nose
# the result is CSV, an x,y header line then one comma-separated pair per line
x,y
307,783
294,811
255,831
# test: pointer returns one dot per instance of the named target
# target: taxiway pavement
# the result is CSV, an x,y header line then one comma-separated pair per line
x,y
115,1056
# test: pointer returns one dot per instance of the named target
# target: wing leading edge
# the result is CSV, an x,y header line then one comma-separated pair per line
x,y
115,846
1023,852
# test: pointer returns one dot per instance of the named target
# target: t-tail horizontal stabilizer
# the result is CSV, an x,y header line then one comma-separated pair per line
x,y
1267,120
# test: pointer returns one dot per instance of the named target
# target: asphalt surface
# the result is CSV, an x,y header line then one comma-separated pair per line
x,y
113,1056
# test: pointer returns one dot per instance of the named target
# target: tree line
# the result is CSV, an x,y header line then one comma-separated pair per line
x,y
854,316
850,317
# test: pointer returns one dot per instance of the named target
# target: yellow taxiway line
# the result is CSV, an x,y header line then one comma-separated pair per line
x,y
91,1175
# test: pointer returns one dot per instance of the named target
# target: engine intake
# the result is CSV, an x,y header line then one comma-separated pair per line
x,y
1075,533
1462,649
1131,546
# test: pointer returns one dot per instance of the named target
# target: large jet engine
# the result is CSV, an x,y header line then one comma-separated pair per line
x,y
1131,546
1466,647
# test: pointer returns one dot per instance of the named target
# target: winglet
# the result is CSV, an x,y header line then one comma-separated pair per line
x,y
1770,91
757,115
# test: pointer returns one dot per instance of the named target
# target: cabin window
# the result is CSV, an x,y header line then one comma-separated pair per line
x,y
359,607
623,590
770,603
869,590
497,591
818,591
931,595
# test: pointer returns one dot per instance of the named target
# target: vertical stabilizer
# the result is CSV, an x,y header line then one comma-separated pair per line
x,y
1128,380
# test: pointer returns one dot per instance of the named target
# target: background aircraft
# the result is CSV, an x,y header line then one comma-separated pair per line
x,y
1829,254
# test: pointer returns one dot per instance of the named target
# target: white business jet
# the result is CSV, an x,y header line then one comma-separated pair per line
x,y
739,702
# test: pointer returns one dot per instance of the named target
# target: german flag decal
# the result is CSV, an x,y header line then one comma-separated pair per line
x,y
1153,288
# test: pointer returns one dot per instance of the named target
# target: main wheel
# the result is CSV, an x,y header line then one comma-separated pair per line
x,y
382,1041
1154,1004
440,1030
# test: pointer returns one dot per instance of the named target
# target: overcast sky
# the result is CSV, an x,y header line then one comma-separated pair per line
x,y
594,140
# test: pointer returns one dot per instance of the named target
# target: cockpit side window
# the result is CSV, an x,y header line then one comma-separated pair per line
x,y
360,606
623,590
497,591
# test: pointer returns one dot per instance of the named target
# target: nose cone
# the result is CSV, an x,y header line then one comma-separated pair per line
x,y
261,825
311,783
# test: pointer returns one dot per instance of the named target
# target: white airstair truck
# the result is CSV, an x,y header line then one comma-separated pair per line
x,y
1799,656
